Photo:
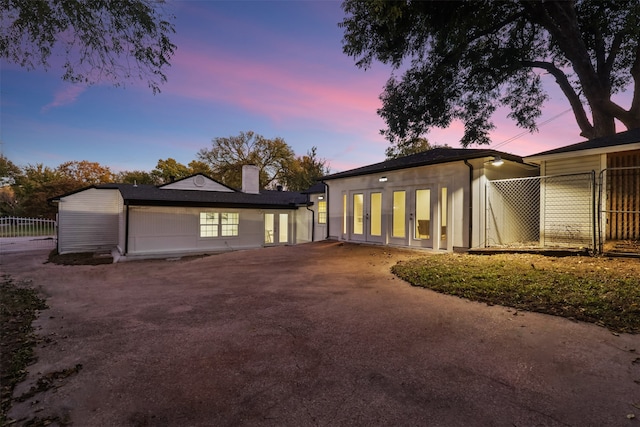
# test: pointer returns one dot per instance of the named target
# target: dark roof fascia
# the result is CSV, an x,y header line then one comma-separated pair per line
x,y
229,205
317,188
622,138
195,174
382,166
151,200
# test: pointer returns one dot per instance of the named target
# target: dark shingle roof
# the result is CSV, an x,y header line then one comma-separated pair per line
x,y
317,188
622,138
150,195
429,157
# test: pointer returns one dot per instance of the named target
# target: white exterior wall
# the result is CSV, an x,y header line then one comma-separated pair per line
x,y
156,230
319,229
302,220
88,221
122,230
575,164
482,173
454,176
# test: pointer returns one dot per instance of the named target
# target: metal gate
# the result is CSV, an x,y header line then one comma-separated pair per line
x,y
619,203
19,234
556,211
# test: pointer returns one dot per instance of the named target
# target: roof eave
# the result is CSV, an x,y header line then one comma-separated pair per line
x,y
539,158
487,154
228,205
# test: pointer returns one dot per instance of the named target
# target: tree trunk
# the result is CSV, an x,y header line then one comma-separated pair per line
x,y
603,124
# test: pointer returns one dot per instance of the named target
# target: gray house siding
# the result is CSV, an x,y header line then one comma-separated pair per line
x,y
88,221
158,230
575,164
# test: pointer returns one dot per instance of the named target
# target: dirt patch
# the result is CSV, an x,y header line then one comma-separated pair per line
x,y
314,334
82,258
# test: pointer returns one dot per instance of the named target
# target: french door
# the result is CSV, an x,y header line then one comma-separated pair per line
x,y
366,224
429,217
276,228
422,217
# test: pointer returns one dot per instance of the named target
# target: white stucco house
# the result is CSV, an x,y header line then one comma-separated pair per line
x,y
193,215
434,199
445,199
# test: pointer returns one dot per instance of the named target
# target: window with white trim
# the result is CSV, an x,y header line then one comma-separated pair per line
x,y
219,224
229,224
322,212
209,224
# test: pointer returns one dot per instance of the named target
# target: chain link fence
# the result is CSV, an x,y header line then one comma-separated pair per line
x,y
542,212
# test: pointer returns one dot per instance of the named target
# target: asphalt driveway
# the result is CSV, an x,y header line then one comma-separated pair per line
x,y
316,334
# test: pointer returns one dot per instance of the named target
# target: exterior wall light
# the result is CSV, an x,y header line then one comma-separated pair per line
x,y
320,197
383,179
497,161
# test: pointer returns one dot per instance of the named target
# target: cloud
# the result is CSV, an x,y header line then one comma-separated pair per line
x,y
65,96
318,94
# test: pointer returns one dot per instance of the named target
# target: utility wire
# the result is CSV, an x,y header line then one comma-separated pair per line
x,y
513,138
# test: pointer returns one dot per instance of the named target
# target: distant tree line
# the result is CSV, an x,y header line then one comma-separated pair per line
x,y
24,190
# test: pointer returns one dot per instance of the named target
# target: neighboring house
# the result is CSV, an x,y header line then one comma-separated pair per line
x,y
193,215
434,199
605,204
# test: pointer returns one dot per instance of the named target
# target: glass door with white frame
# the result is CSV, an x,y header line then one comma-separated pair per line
x,y
422,224
366,221
276,228
399,233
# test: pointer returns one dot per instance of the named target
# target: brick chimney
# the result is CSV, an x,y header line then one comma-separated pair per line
x,y
250,179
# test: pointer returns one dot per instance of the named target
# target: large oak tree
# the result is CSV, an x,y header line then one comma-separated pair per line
x,y
227,155
305,171
462,60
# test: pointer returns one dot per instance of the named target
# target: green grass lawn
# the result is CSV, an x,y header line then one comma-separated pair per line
x,y
597,290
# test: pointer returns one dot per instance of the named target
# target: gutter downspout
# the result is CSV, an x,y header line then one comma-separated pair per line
x,y
470,202
313,218
126,232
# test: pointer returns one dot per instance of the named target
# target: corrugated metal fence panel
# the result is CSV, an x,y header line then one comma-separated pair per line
x,y
623,196
88,221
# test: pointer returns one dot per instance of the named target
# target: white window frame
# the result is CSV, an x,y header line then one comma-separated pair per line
x,y
322,211
216,224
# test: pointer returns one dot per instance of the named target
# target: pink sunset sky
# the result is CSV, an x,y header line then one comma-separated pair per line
x,y
273,67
